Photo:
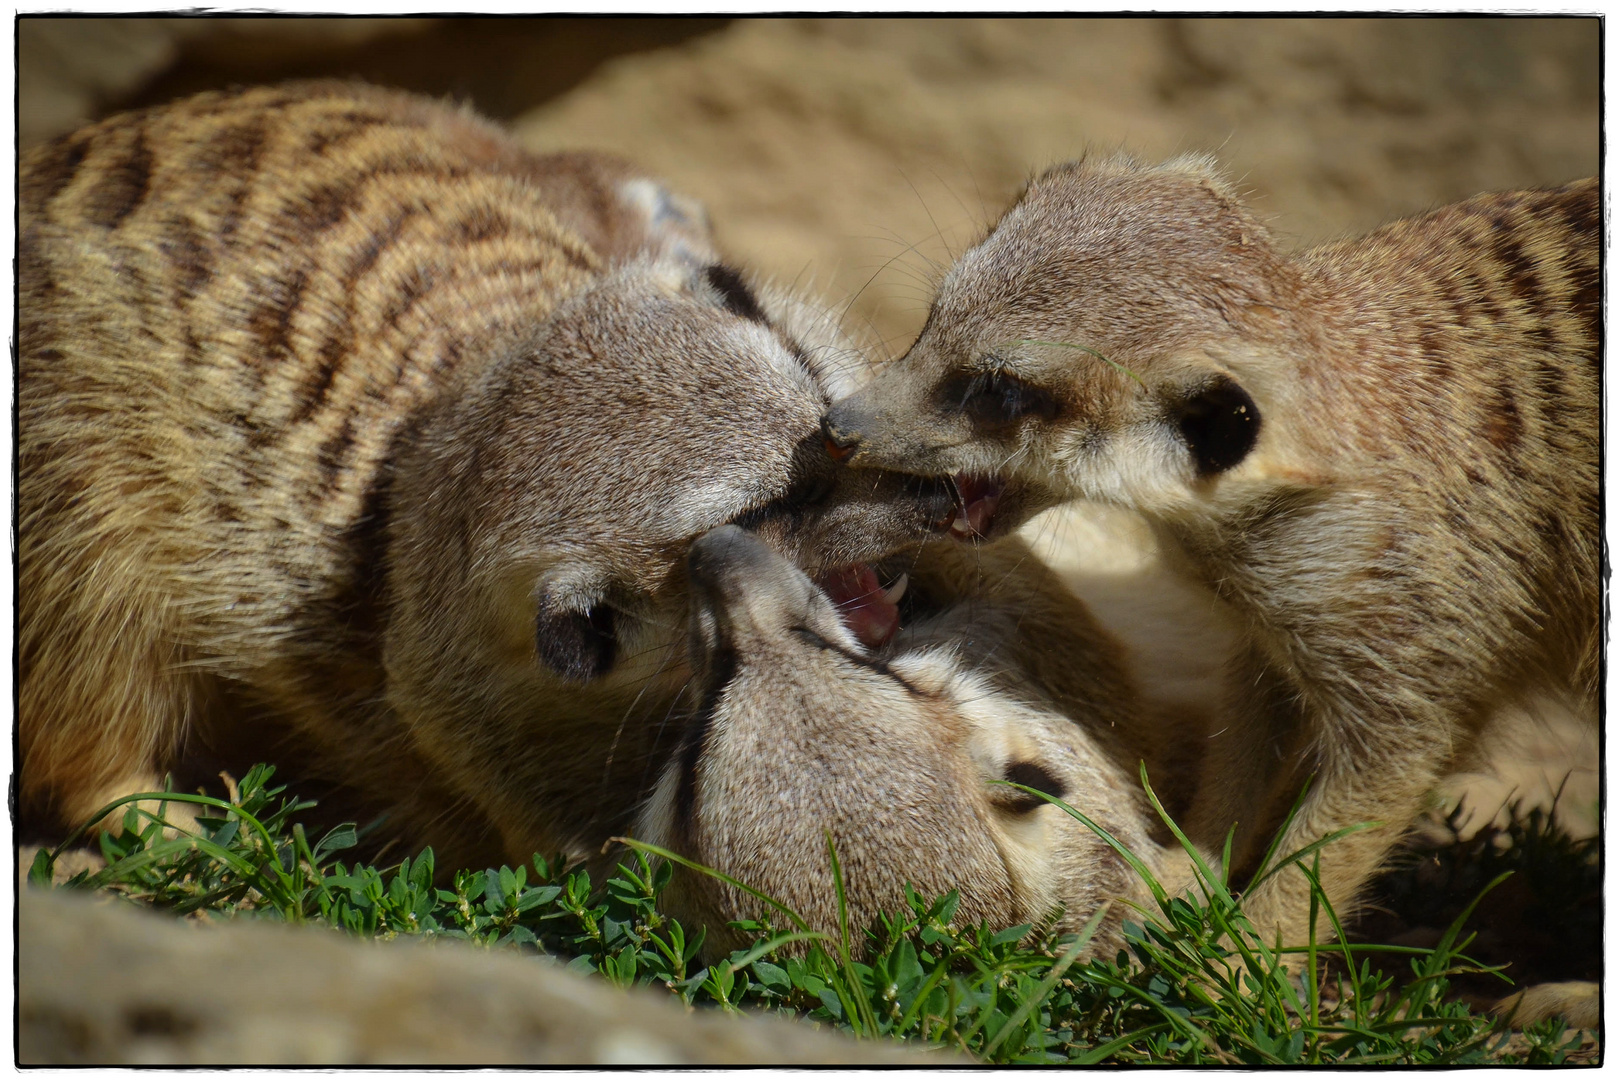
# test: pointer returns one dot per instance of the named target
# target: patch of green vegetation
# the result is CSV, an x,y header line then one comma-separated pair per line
x,y
1194,985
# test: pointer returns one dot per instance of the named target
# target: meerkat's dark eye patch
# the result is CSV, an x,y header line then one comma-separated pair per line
x,y
994,399
1220,425
577,645
1029,774
734,294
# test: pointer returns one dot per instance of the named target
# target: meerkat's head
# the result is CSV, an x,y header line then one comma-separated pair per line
x,y
1120,335
802,735
541,514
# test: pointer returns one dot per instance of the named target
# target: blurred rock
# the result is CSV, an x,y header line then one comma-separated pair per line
x,y
72,70
67,69
103,983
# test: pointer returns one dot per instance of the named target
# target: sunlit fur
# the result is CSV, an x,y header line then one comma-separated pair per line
x,y
325,392
806,736
1413,539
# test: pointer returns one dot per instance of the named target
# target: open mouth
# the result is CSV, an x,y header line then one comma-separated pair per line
x,y
869,610
978,500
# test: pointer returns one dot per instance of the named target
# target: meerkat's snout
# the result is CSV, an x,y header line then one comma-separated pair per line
x,y
740,590
840,442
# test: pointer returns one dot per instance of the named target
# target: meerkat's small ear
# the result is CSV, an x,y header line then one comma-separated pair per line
x,y
578,642
676,225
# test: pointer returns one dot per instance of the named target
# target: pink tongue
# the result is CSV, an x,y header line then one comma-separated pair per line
x,y
865,609
980,498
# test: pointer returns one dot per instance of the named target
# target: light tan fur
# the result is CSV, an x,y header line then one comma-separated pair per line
x,y
804,734
1382,453
352,434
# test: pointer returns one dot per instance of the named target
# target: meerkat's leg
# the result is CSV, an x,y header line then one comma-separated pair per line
x,y
1579,1003
1276,744
101,705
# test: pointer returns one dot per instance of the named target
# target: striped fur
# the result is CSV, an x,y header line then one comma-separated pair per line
x,y
1383,452
265,336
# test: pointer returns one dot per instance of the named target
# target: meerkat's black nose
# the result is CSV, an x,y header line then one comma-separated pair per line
x,y
840,444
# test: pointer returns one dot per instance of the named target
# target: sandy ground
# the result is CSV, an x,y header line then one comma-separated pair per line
x,y
856,157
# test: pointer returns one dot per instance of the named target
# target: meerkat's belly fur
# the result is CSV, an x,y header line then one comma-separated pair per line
x,y
1384,453
340,410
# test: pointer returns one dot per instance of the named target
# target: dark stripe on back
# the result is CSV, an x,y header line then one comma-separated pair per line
x,y
483,223
54,169
1586,306
235,154
1430,337
324,207
366,539
575,258
362,604
1484,297
1504,426
378,242
312,395
347,125
1581,207
187,251
271,323
237,148
1520,271
333,454
1552,395
194,356
418,281
120,186
1454,300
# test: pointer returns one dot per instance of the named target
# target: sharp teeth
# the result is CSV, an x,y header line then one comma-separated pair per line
x,y
897,590
960,526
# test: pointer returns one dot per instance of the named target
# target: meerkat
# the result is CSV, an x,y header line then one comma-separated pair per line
x,y
348,427
804,734
1383,453
894,754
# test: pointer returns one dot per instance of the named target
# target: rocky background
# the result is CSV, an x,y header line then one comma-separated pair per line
x,y
855,157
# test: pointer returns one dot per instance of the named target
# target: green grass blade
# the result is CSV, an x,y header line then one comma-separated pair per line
x,y
862,1000
764,948
1046,985
665,853
1213,884
940,973
1308,850
1135,862
1097,1054
175,796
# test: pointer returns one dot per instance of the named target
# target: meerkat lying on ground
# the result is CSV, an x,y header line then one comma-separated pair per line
x,y
805,733
350,431
1383,453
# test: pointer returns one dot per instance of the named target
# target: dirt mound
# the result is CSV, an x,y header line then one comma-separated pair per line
x,y
861,153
